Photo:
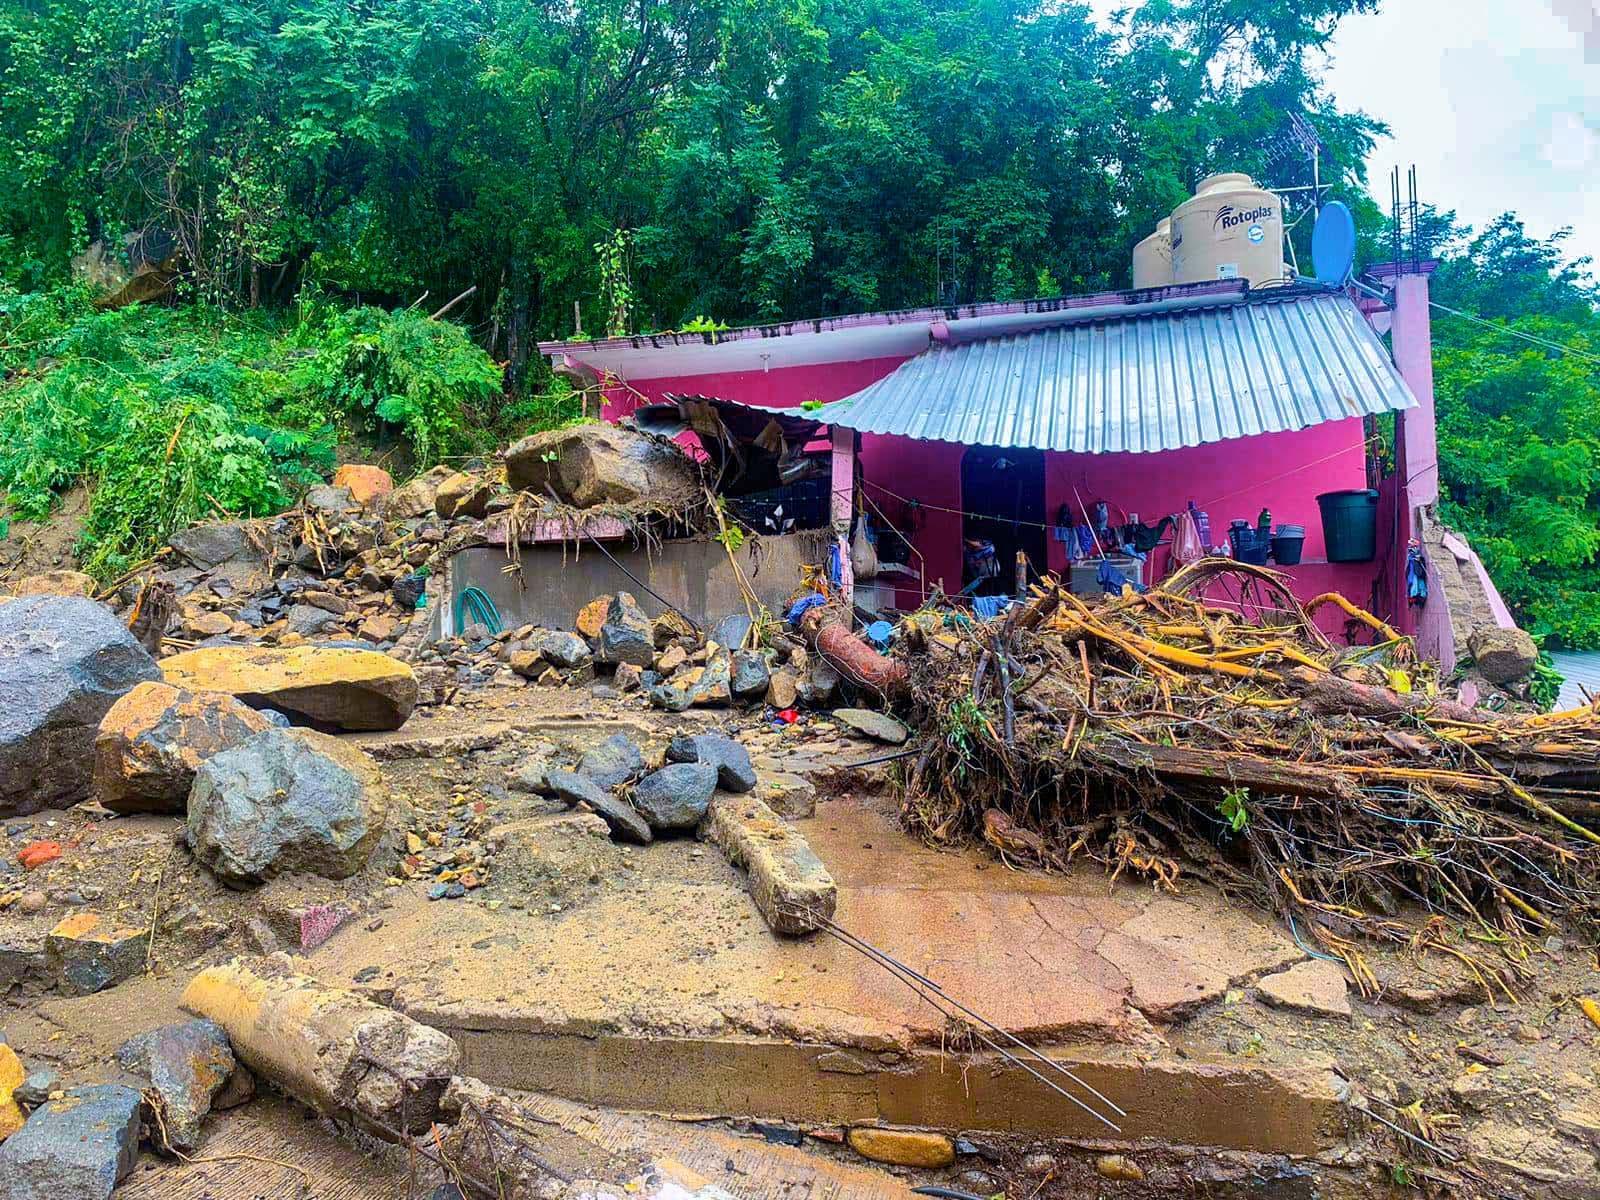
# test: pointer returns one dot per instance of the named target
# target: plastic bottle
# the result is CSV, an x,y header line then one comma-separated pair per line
x,y
1202,524
1264,525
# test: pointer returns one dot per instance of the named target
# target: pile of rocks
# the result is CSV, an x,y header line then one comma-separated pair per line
x,y
641,801
58,1141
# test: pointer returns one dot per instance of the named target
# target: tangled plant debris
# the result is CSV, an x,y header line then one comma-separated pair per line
x,y
1159,733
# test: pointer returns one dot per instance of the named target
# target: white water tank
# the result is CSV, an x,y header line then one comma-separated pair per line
x,y
1230,229
1152,258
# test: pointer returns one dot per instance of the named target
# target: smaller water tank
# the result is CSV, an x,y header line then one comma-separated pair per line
x,y
1152,258
1231,229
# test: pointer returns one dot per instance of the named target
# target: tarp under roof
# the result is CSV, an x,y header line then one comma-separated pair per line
x,y
1143,382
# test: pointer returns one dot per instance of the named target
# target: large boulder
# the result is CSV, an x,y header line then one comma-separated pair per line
x,y
64,660
336,687
731,760
153,740
367,484
626,635
614,761
416,497
600,463
1503,655
675,798
216,542
463,495
286,801
186,1065
625,823
79,1146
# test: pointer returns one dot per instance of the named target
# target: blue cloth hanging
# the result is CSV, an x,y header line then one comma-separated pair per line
x,y
1416,577
1112,581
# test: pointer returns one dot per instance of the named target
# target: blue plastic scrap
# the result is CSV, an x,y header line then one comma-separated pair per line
x,y
879,633
804,605
1112,581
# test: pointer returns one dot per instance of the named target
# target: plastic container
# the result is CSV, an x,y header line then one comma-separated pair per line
x,y
1248,544
1350,524
1230,229
1287,544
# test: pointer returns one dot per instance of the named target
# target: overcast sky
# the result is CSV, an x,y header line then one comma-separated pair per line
x,y
1497,102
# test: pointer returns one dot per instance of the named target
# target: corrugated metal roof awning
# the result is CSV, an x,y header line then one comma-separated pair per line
x,y
1141,383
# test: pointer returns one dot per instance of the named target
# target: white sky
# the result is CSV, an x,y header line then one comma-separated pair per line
x,y
1497,102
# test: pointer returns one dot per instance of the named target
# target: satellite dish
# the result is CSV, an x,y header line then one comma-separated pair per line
x,y
1333,245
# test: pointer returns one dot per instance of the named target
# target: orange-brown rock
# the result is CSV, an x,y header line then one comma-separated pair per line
x,y
366,483
593,615
335,688
153,740
463,495
55,583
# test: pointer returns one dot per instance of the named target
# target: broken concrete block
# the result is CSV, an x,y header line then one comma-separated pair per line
x,y
186,1065
333,1049
64,660
625,823
152,740
790,796
674,799
80,1146
86,954
1315,987
875,725
787,881
286,801
732,761
903,1147
340,687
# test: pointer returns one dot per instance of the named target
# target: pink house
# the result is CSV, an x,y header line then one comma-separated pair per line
x,y
1012,418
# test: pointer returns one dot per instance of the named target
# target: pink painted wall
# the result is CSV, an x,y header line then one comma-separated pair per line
x,y
1283,472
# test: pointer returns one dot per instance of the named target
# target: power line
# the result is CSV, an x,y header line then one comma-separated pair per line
x,y
1518,333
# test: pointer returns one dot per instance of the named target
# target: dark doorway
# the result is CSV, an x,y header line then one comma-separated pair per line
x,y
1002,492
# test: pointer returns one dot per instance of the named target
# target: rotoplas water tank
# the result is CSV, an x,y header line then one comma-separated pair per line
x,y
1230,229
1152,258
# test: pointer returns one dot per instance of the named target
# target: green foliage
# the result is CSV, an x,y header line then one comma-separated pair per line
x,y
1519,423
170,415
1235,808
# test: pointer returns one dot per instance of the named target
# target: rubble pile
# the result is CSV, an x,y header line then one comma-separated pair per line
x,y
1335,787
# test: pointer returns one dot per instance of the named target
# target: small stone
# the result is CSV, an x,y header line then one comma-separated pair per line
x,y
533,778
783,689
591,616
79,1146
32,902
1315,987
732,631
85,954
875,725
240,1089
186,1065
1118,1166
260,936
1039,1163
670,659
629,678
38,1086
790,796
675,798
903,1147
463,495
1475,1088
626,635
749,676
12,1081
565,650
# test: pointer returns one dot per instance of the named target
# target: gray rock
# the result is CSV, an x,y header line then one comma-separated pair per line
x,y
76,1148
624,822
532,778
821,685
731,760
186,1065
714,687
669,697
1503,655
875,725
21,958
565,650
330,500
614,761
626,635
308,619
732,630
210,545
675,798
64,660
36,1088
750,675
286,800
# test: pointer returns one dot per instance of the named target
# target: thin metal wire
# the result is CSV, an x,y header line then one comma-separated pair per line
x,y
918,982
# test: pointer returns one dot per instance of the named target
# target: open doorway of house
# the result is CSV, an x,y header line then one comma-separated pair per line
x,y
1002,494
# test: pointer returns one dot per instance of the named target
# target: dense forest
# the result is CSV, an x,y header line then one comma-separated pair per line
x,y
326,174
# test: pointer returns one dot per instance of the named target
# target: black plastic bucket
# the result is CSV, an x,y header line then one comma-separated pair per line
x,y
1287,544
1350,525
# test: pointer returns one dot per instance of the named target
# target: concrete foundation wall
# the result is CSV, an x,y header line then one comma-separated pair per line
x,y
696,576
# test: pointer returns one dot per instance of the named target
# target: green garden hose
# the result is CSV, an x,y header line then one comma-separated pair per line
x,y
474,603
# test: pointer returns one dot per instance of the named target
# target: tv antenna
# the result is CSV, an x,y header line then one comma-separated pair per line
x,y
1298,141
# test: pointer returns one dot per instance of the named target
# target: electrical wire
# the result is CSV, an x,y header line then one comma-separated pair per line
x,y
1547,343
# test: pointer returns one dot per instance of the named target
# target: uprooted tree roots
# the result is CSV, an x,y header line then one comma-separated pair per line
x,y
1159,733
